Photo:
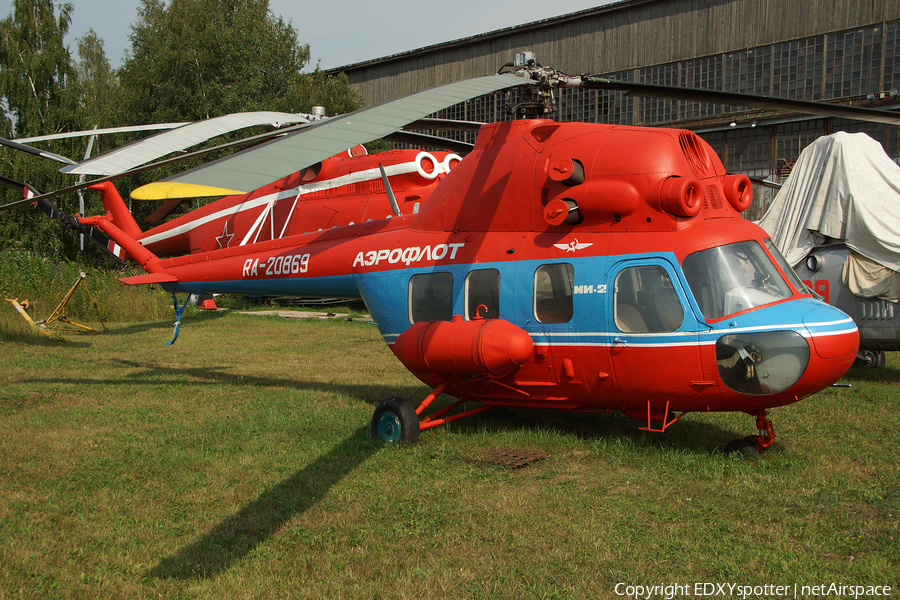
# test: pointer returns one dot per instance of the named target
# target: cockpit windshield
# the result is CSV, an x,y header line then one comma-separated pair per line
x,y
782,262
731,278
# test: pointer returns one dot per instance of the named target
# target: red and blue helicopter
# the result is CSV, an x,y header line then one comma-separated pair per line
x,y
563,266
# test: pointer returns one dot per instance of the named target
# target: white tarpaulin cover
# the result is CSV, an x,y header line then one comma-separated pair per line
x,y
843,186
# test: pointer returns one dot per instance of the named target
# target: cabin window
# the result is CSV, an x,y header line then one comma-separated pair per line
x,y
646,301
553,286
731,278
431,297
483,289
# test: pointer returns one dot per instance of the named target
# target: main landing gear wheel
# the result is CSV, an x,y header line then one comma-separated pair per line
x,y
395,421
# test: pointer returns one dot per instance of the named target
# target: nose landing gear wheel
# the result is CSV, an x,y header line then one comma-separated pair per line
x,y
395,421
743,448
869,358
752,445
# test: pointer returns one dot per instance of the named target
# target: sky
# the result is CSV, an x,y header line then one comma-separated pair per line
x,y
343,32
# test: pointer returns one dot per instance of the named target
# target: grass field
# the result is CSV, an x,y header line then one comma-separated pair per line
x,y
237,464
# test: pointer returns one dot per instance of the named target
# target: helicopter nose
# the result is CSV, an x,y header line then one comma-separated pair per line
x,y
834,334
790,363
834,339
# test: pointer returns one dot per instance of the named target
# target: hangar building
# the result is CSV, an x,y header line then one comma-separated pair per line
x,y
844,51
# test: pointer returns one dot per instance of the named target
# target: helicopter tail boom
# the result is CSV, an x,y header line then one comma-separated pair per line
x,y
146,259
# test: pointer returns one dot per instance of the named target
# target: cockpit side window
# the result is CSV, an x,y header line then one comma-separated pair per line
x,y
731,278
786,267
646,301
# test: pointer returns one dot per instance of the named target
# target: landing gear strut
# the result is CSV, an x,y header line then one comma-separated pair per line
x,y
752,445
395,420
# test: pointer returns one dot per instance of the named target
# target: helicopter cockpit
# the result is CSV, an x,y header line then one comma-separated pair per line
x,y
729,279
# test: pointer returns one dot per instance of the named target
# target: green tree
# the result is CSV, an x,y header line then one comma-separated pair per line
x,y
196,59
99,85
36,72
332,92
190,60
39,95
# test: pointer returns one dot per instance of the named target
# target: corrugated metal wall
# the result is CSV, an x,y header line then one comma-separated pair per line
x,y
625,35
809,49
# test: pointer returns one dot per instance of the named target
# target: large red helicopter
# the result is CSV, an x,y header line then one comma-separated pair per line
x,y
567,266
346,188
337,191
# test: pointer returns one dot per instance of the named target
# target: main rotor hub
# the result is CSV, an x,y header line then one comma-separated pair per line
x,y
538,100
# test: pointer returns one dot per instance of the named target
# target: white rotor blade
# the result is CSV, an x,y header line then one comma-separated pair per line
x,y
257,166
147,150
88,132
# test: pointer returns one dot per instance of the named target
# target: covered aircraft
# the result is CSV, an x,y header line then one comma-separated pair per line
x,y
837,221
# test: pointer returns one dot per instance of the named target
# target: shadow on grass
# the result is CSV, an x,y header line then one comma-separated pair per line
x,y
686,434
70,338
152,374
141,327
242,532
36,338
861,373
239,534
236,536
198,317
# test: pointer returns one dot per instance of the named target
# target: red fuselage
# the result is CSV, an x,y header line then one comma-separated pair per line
x,y
619,251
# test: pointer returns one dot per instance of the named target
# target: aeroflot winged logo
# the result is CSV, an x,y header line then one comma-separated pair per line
x,y
573,246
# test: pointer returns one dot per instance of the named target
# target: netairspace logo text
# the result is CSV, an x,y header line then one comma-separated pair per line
x,y
735,590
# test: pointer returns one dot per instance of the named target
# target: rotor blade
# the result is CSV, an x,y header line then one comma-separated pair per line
x,y
255,167
444,125
159,190
36,151
49,209
176,140
429,141
12,184
330,137
164,190
169,161
69,222
87,132
651,90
